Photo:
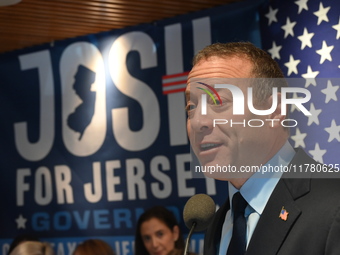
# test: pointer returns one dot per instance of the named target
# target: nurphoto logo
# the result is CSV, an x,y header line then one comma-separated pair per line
x,y
238,103
238,99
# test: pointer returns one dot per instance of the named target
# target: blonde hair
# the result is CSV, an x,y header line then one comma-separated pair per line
x,y
33,248
93,247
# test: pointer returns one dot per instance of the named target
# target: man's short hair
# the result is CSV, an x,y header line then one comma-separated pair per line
x,y
263,65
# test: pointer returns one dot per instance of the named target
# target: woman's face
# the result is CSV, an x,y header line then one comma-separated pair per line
x,y
158,239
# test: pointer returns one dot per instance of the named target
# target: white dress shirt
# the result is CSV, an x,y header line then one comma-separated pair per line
x,y
256,191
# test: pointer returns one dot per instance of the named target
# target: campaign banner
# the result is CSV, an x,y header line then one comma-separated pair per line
x,y
93,129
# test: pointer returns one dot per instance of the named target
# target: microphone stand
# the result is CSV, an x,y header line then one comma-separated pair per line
x,y
186,250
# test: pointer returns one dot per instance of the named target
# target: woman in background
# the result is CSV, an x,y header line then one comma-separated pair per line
x,y
93,247
158,233
32,248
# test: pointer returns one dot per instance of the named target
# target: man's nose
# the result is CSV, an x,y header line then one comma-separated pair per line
x,y
201,122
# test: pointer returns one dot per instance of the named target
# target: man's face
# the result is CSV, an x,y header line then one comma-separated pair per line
x,y
224,145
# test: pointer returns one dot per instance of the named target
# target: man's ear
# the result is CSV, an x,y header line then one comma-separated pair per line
x,y
276,116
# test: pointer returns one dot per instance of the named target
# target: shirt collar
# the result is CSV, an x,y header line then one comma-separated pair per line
x,y
258,188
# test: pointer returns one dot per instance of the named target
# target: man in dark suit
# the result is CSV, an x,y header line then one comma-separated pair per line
x,y
287,208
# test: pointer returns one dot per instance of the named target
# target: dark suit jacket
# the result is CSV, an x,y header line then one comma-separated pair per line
x,y
313,224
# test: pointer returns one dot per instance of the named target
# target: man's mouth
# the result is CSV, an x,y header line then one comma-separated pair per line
x,y
209,146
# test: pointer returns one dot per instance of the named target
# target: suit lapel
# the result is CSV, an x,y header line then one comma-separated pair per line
x,y
212,241
272,230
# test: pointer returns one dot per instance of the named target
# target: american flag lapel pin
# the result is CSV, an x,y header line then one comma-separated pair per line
x,y
283,214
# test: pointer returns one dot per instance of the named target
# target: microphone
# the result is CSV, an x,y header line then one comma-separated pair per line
x,y
197,214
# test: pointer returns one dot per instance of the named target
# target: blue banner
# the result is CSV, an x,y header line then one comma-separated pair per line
x,y
94,129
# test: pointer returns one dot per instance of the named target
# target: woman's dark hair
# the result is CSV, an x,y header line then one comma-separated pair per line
x,y
165,216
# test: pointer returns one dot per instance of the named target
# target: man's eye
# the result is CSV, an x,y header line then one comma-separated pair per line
x,y
190,107
223,102
212,100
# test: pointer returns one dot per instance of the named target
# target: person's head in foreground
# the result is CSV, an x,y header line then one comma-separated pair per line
x,y
93,247
158,233
32,248
238,144
20,239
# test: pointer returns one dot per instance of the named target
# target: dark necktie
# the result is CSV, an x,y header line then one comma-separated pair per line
x,y
237,244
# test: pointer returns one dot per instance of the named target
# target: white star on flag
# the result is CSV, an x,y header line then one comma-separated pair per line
x,y
305,39
310,77
314,117
333,131
275,51
322,13
271,15
298,138
337,28
292,65
288,28
330,92
302,5
317,153
325,52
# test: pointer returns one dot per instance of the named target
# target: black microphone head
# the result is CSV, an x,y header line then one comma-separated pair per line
x,y
199,208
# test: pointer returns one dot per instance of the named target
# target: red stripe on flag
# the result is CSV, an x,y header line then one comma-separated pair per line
x,y
174,75
173,91
174,83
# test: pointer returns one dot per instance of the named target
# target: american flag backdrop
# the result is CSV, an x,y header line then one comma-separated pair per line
x,y
303,36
